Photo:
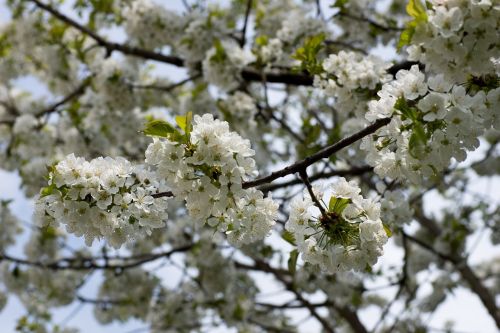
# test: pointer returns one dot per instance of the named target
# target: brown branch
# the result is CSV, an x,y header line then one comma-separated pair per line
x,y
284,277
163,194
166,88
307,183
249,74
93,263
76,93
110,46
355,171
468,275
369,21
323,153
245,23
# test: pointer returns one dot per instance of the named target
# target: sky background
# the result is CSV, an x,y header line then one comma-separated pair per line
x,y
462,306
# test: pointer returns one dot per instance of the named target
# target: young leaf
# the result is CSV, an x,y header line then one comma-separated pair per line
x,y
292,261
158,128
48,190
307,54
185,122
387,230
338,205
416,10
289,237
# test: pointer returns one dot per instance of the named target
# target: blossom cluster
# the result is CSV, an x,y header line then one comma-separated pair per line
x,y
352,79
102,198
348,234
36,287
351,70
433,121
130,294
207,167
9,226
239,110
458,39
152,25
223,64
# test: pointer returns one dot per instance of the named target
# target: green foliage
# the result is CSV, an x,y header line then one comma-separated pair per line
x,y
311,134
307,54
292,261
418,138
416,10
159,128
239,312
337,205
388,231
185,122
220,53
48,190
485,83
261,40
102,9
289,237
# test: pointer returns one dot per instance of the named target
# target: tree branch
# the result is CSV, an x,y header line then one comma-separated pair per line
x,y
93,263
323,153
248,74
355,171
76,93
245,23
468,275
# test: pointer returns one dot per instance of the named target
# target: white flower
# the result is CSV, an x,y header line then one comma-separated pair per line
x,y
411,82
447,21
348,236
433,105
98,199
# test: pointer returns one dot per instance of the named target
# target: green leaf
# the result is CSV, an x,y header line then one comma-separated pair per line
x,y
415,9
261,40
239,312
292,261
289,237
185,122
158,128
406,110
387,230
338,205
307,54
220,53
340,3
48,190
418,138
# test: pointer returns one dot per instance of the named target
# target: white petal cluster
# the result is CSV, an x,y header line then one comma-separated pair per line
x,y
351,78
351,70
199,35
104,198
39,288
223,64
349,236
458,39
9,226
240,110
151,24
408,84
432,119
208,172
298,24
131,293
